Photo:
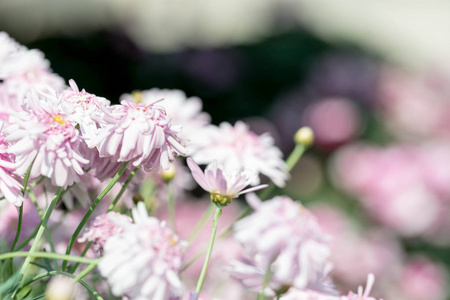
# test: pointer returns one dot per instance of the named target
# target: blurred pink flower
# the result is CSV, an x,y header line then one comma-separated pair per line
x,y
396,183
141,134
143,261
284,235
22,70
334,121
182,110
221,184
421,279
43,134
406,97
103,227
236,147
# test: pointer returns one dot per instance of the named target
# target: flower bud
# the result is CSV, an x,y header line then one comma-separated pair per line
x,y
168,175
60,288
304,136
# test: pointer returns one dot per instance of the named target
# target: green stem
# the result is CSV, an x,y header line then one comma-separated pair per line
x,y
31,254
34,201
19,222
201,223
42,227
261,294
91,210
171,206
86,271
123,189
85,250
295,156
201,279
51,273
16,238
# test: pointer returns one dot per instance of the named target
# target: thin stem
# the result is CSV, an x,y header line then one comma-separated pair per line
x,y
51,273
19,221
261,294
34,201
123,189
171,206
91,210
295,156
16,238
201,223
209,251
64,257
86,271
85,250
42,227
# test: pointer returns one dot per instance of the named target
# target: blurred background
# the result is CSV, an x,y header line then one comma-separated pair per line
x,y
372,78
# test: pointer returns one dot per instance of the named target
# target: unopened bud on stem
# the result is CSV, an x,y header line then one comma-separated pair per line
x,y
304,136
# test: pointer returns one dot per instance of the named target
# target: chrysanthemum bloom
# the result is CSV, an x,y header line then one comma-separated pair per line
x,y
222,185
103,227
85,109
140,134
143,262
362,294
236,147
284,235
9,186
184,111
43,134
22,70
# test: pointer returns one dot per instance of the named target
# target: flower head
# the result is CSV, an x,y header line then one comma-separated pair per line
x,y
143,261
141,134
236,147
85,109
43,134
284,235
184,111
222,185
103,227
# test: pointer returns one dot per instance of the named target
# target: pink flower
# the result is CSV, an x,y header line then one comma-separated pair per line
x,y
362,294
103,227
85,109
236,147
222,185
10,187
284,235
184,111
44,135
141,134
143,262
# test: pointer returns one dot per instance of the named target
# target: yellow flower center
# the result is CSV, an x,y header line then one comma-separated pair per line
x,y
58,119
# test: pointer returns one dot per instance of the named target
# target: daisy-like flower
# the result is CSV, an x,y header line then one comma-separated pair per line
x,y
43,134
140,134
283,235
143,262
236,147
85,109
222,185
103,227
9,186
184,111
